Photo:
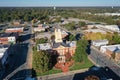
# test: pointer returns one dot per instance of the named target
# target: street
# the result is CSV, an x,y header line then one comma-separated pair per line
x,y
19,63
104,61
100,72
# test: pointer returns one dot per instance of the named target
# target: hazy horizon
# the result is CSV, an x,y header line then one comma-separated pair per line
x,y
59,3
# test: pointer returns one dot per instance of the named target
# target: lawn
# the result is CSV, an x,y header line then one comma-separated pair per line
x,y
52,71
82,65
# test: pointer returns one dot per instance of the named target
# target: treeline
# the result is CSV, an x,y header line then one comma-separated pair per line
x,y
89,14
26,14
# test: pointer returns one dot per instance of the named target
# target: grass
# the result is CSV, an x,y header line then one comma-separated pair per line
x,y
78,65
52,71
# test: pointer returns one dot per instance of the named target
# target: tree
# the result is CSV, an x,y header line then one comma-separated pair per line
x,y
42,40
80,53
41,61
71,37
70,26
52,37
26,18
116,38
82,24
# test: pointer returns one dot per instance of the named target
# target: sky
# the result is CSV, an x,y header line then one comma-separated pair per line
x,y
38,3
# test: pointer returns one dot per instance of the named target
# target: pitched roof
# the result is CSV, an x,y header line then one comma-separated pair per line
x,y
56,45
44,46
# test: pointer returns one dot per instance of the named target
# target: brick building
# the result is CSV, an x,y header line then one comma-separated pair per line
x,y
59,47
7,38
14,29
112,51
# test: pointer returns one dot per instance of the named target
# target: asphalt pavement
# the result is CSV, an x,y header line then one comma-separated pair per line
x,y
17,62
102,60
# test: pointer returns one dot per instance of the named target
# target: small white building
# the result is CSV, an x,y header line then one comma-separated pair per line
x,y
99,43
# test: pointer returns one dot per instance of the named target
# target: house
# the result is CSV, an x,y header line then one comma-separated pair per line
x,y
3,54
99,43
8,38
14,29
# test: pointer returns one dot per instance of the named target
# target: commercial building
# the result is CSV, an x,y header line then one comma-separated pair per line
x,y
99,43
14,29
8,38
108,14
114,28
113,51
40,27
95,31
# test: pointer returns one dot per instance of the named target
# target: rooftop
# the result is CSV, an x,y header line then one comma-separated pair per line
x,y
99,41
95,31
118,51
8,34
44,46
55,45
72,44
112,48
4,46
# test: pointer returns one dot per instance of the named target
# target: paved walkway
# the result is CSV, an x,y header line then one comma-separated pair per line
x,y
46,77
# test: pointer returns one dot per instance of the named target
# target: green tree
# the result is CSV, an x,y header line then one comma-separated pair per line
x,y
52,37
116,38
80,53
82,24
41,61
70,26
42,40
71,37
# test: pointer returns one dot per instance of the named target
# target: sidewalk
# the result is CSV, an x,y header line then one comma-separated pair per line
x,y
46,77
